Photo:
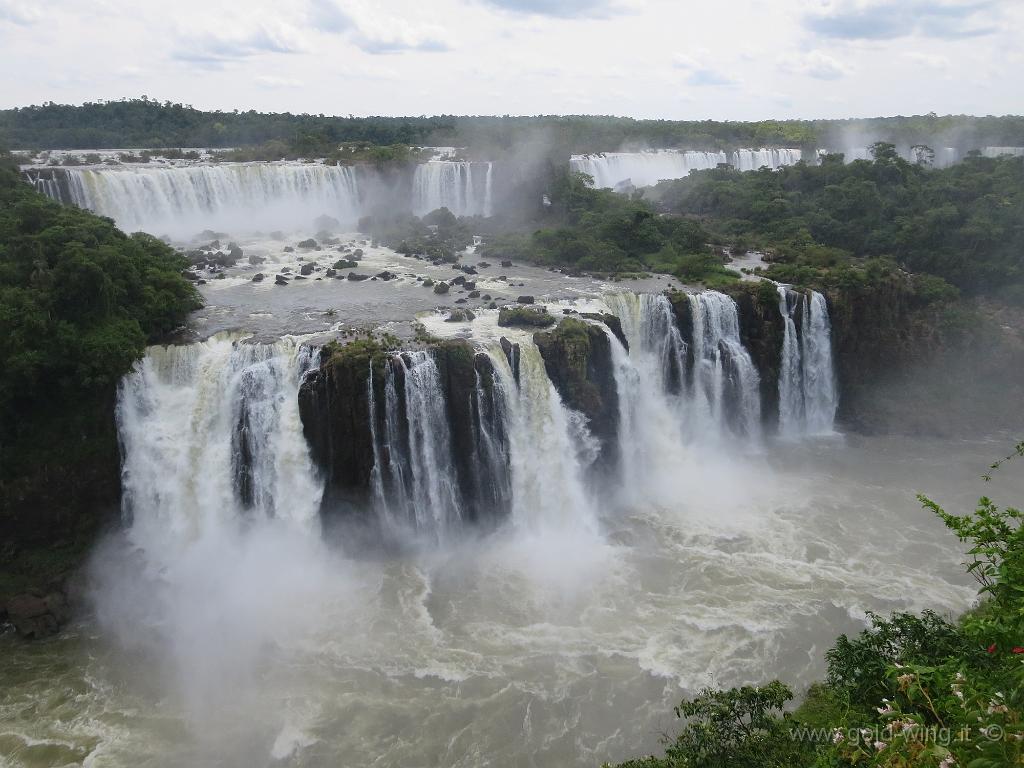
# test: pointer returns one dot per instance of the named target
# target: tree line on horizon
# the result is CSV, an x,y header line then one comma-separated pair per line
x,y
149,123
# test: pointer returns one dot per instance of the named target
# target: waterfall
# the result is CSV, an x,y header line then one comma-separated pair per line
x,y
210,434
643,169
726,384
455,185
707,385
807,389
753,159
416,479
236,197
549,447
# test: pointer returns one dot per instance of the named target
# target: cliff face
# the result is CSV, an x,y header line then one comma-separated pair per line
x,y
335,408
578,359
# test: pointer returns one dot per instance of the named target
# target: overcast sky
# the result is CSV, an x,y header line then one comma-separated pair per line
x,y
680,59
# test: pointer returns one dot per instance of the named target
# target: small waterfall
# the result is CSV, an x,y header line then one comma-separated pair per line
x,y
807,389
791,388
236,197
549,447
464,188
725,383
211,434
416,482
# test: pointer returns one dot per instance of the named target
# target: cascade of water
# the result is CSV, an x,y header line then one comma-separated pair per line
x,y
820,397
791,391
237,197
753,159
711,383
453,185
210,433
549,446
807,387
417,481
643,169
725,383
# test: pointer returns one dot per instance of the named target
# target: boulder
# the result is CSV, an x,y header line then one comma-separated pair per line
x,y
255,260
280,280
357,277
474,294
307,269
506,263
428,283
385,275
331,273
460,316
523,317
524,300
37,617
309,243
258,277
441,288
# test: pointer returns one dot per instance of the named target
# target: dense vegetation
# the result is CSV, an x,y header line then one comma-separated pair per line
x,y
964,224
79,300
150,123
913,690
596,230
834,225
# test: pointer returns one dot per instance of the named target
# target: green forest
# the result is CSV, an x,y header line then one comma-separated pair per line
x,y
960,229
79,301
149,123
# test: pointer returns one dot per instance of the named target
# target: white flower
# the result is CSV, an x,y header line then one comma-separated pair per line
x,y
947,762
837,735
880,745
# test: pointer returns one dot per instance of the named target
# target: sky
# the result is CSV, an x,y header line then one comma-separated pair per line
x,y
674,59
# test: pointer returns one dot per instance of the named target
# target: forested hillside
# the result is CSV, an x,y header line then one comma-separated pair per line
x,y
79,301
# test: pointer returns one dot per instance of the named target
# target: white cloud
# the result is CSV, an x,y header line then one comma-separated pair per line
x,y
19,12
927,59
214,49
891,19
375,31
814,64
273,81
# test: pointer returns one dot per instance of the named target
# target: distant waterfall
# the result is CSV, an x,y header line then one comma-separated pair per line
x,y
643,169
753,159
807,389
617,170
231,197
211,434
464,188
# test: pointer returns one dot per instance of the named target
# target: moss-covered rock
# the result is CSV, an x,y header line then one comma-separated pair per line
x,y
525,317
577,356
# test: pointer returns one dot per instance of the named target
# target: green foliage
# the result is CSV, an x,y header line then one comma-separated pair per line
x,y
960,225
737,727
79,301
